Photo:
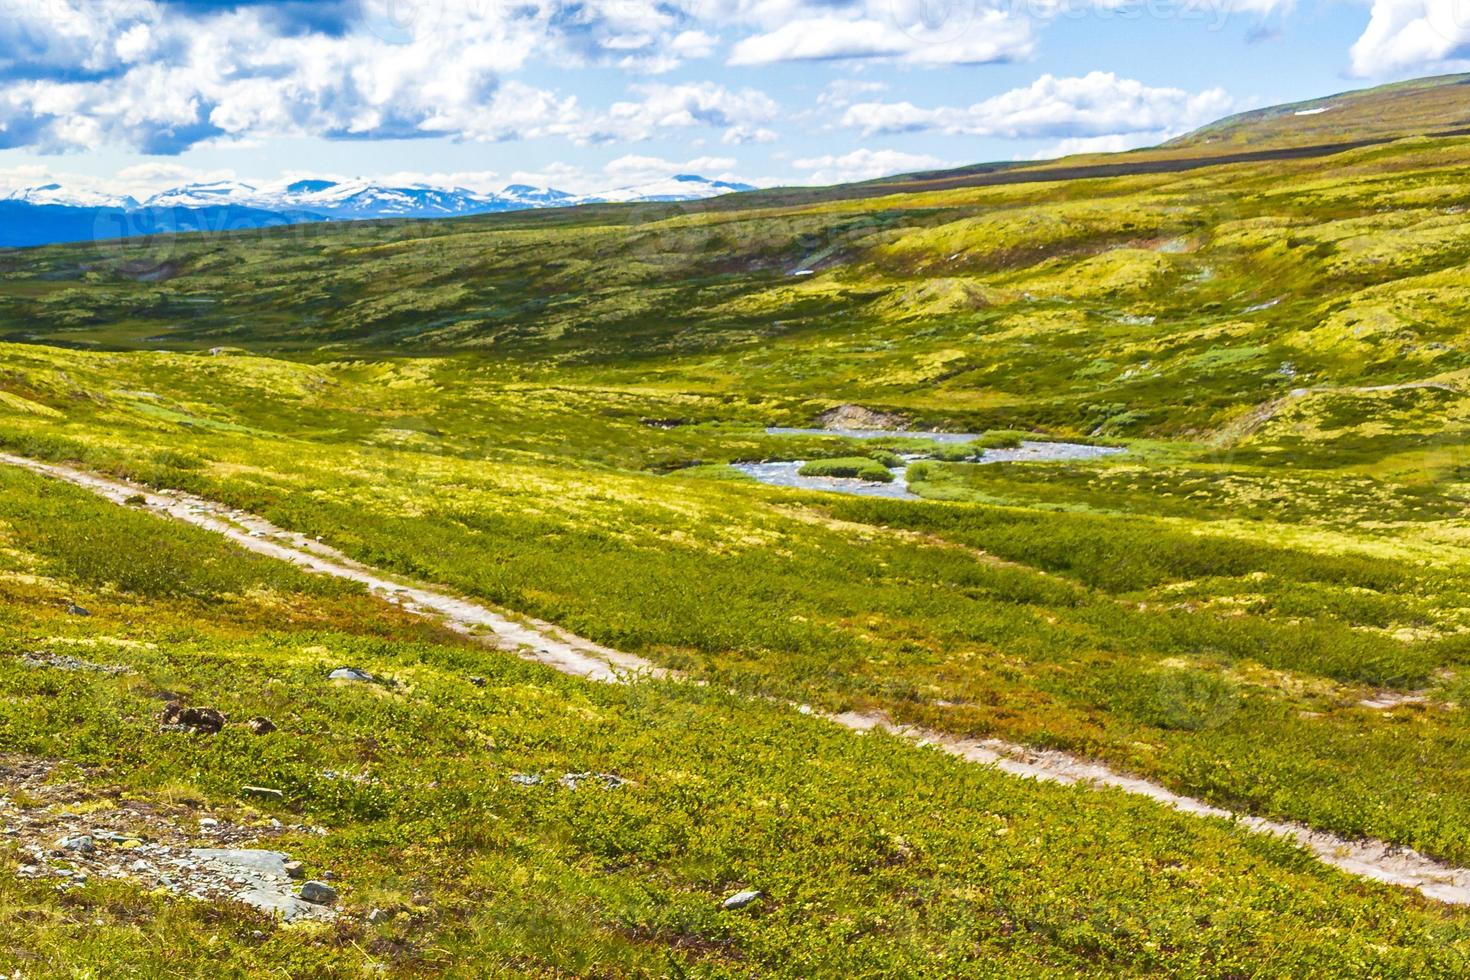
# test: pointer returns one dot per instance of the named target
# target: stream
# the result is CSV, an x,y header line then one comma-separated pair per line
x,y
786,473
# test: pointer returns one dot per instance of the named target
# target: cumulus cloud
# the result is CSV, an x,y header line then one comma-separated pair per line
x,y
742,134
635,175
865,164
854,32
846,91
1413,37
1099,104
672,107
633,168
1114,143
163,77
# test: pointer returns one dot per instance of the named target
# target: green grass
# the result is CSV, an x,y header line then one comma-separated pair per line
x,y
874,857
849,467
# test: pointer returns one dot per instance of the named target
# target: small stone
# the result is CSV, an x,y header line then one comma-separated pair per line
x,y
329,876
478,682
262,792
82,844
351,674
572,780
260,725
378,917
525,779
76,610
295,869
208,822
318,893
740,899
139,865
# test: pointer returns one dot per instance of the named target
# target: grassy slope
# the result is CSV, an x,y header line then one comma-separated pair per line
x,y
875,858
1287,536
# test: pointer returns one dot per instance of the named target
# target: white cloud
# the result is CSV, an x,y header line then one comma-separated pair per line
x,y
845,91
1114,143
633,175
665,107
634,168
865,164
993,36
1413,37
742,135
1094,105
135,73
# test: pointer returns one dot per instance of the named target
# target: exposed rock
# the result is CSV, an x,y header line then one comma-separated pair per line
x,y
260,725
197,721
295,869
318,893
574,780
858,417
525,778
76,610
243,860
477,681
82,844
262,793
58,661
378,917
740,899
262,880
351,674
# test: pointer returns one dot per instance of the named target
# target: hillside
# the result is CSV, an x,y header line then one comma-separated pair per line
x,y
1176,521
1423,107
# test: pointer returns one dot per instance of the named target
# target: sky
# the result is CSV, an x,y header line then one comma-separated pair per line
x,y
132,96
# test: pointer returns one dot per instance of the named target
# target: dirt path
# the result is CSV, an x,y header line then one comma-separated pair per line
x,y
547,644
531,639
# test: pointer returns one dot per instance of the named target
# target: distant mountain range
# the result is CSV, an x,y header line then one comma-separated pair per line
x,y
50,213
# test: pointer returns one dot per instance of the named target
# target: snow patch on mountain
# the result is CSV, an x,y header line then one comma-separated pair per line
x,y
368,199
53,213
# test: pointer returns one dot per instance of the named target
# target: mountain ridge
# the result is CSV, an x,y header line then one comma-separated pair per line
x,y
51,214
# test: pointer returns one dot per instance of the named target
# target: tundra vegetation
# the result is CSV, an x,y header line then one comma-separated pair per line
x,y
849,467
1263,603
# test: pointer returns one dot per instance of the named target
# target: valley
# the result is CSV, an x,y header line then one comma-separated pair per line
x,y
1177,498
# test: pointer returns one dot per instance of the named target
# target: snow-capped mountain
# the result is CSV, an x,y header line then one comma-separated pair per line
x,y
680,187
50,195
53,213
205,195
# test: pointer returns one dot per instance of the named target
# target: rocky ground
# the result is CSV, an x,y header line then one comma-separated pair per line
x,y
59,827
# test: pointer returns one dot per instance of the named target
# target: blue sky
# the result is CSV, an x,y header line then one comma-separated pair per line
x,y
134,95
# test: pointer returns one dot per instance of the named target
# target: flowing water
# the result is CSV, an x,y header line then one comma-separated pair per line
x,y
787,473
